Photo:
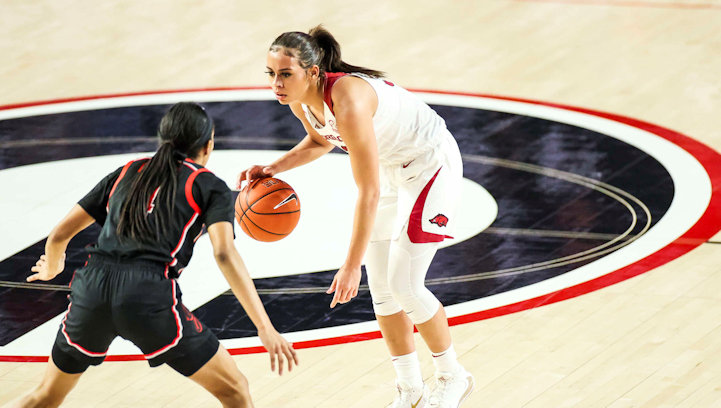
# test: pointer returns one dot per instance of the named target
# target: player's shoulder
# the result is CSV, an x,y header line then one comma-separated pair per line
x,y
350,85
136,163
206,179
123,169
353,92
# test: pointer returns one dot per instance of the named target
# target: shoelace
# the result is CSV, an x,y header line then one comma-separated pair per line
x,y
443,383
439,392
400,390
402,398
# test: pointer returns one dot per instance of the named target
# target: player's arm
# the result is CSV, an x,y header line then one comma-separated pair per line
x,y
355,103
53,262
310,148
235,272
89,209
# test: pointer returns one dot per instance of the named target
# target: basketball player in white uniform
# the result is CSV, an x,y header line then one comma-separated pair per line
x,y
408,171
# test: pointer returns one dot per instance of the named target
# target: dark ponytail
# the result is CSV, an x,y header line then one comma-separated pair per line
x,y
184,130
320,48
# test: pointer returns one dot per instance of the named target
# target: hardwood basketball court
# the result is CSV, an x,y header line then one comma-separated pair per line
x,y
653,340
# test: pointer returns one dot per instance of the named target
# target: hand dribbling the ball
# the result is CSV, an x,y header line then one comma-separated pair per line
x,y
255,172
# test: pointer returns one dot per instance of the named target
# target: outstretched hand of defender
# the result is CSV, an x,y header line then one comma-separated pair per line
x,y
279,349
345,285
44,270
255,172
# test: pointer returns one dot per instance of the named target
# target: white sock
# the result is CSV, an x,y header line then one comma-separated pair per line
x,y
447,361
408,369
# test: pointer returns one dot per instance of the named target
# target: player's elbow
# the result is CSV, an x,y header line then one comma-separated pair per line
x,y
370,194
223,254
58,235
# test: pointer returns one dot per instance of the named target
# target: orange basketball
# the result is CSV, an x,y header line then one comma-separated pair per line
x,y
267,209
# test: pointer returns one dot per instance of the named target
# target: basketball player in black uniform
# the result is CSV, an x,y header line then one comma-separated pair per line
x,y
152,210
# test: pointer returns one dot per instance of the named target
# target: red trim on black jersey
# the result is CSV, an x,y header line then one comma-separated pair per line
x,y
120,177
115,185
415,230
191,221
330,79
189,186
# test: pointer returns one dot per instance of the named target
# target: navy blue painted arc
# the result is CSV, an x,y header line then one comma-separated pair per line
x,y
525,202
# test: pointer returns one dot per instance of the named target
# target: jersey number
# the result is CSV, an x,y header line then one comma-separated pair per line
x,y
151,204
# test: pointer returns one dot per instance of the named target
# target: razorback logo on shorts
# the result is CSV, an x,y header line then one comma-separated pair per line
x,y
440,220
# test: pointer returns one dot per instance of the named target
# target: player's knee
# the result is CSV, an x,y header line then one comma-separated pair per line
x,y
418,302
235,393
377,272
380,294
384,304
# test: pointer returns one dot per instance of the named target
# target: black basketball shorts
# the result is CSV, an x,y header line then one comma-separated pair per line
x,y
135,301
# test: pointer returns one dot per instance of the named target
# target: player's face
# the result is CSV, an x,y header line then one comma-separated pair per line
x,y
289,81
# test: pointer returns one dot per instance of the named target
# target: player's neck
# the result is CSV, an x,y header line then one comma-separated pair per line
x,y
314,99
201,159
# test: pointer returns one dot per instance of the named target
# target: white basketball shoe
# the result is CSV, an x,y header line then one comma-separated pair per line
x,y
451,389
410,397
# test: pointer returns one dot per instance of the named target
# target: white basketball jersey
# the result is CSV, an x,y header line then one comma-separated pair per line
x,y
405,127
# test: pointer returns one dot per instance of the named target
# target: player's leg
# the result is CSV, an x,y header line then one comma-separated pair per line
x,y
411,253
221,377
435,332
82,340
409,263
198,354
397,330
395,326
149,311
52,390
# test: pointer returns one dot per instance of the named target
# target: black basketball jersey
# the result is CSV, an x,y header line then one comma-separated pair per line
x,y
202,199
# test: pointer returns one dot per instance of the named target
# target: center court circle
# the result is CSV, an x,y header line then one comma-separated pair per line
x,y
577,200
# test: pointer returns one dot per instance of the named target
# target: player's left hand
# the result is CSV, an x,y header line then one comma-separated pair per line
x,y
279,349
345,284
44,271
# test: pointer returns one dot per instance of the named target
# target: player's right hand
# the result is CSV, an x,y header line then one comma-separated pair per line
x,y
254,172
278,349
44,270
